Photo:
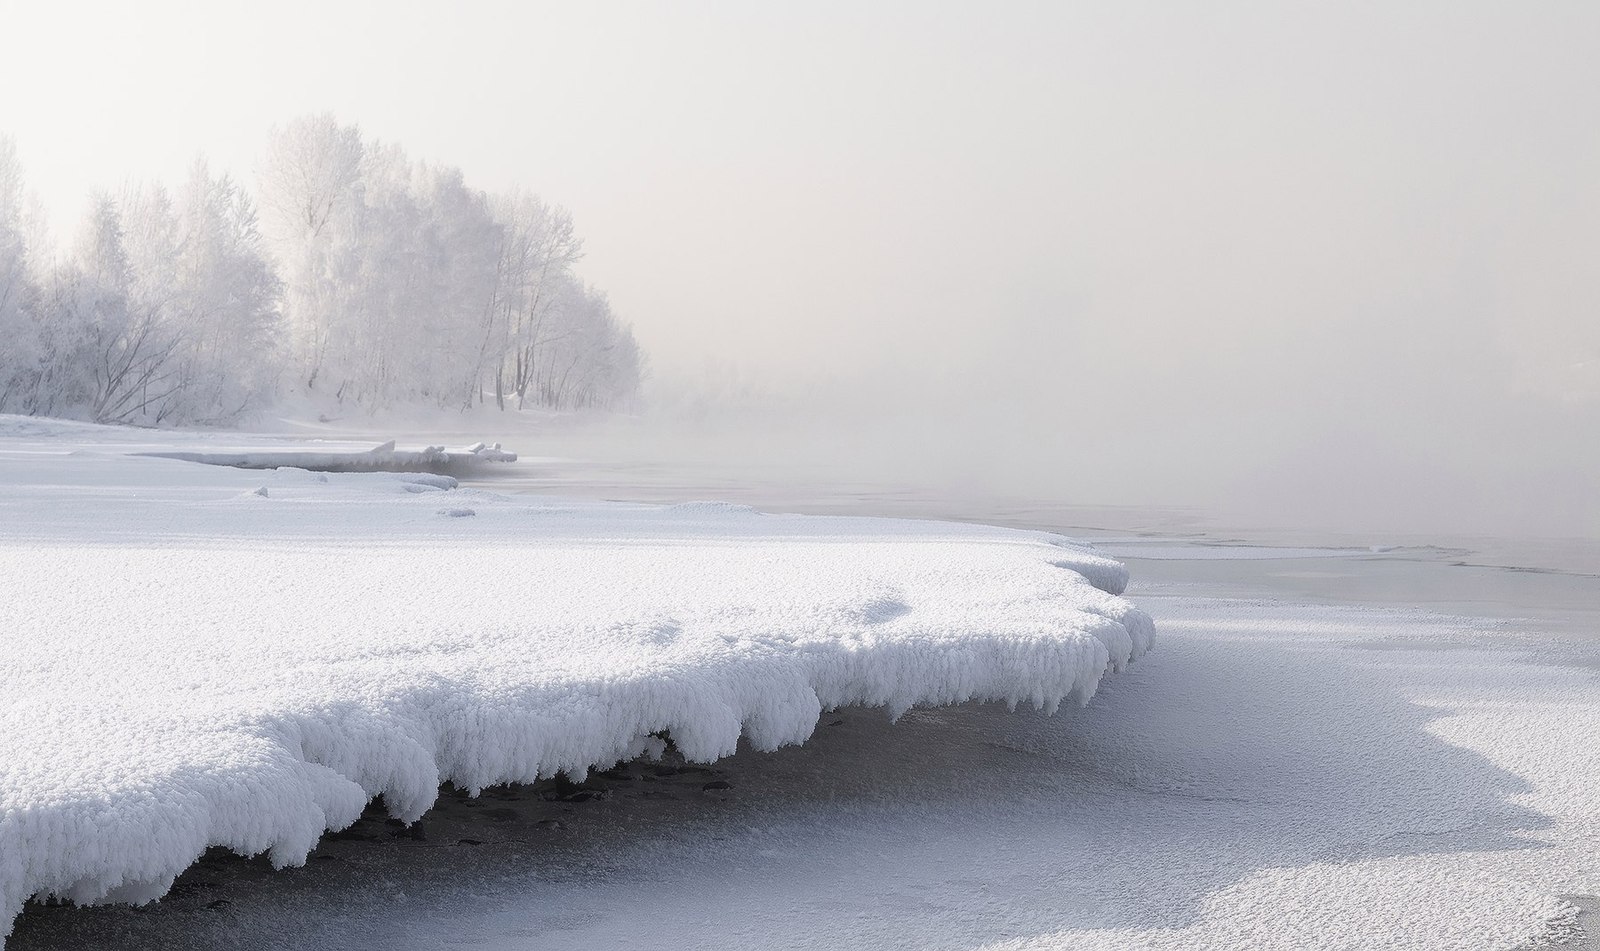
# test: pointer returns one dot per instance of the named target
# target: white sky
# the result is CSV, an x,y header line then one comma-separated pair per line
x,y
1296,217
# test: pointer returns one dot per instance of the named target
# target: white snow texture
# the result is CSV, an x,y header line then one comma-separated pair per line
x,y
189,661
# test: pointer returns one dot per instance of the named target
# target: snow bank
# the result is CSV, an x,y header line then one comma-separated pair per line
x,y
187,661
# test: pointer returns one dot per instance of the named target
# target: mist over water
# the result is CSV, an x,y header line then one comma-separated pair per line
x,y
1519,468
1322,267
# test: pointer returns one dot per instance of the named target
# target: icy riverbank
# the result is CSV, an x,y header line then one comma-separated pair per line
x,y
197,656
1283,773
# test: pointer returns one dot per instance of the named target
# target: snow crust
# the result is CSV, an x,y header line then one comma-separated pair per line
x,y
197,656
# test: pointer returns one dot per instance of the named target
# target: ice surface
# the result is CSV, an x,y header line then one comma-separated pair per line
x,y
198,656
1168,551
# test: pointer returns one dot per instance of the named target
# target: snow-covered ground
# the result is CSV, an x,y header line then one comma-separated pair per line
x,y
1352,742
198,656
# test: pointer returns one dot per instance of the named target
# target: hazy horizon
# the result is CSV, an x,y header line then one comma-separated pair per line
x,y
1334,260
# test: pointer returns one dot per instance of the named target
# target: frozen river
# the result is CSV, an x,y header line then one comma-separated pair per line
x,y
1340,741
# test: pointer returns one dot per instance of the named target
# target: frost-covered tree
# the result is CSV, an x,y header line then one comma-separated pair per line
x,y
465,254
117,342
589,360
198,264
310,195
538,249
434,279
19,354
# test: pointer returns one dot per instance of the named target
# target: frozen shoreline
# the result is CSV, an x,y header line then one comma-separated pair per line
x,y
1277,773
1343,748
200,656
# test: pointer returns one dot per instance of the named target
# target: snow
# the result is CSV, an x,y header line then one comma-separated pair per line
x,y
198,656
1281,774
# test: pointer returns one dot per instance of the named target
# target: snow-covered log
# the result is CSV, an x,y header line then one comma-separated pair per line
x,y
384,458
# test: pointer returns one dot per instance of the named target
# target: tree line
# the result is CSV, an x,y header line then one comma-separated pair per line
x,y
353,273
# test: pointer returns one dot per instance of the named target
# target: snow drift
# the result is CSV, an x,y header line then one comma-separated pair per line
x,y
196,656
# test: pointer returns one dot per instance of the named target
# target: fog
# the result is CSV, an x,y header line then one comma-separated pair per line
x,y
1310,264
